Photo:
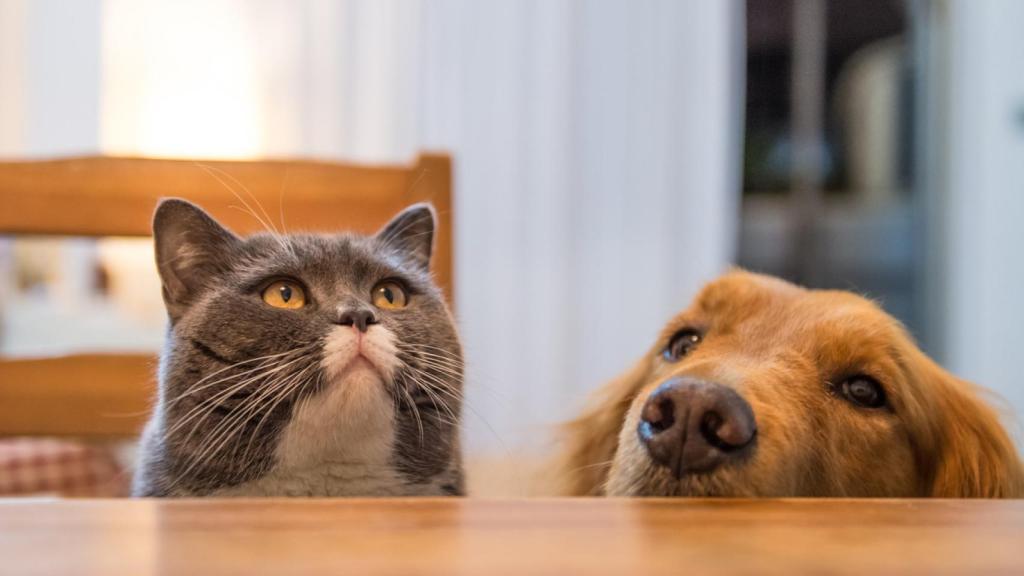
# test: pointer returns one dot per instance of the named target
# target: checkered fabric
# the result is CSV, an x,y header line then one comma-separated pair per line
x,y
36,466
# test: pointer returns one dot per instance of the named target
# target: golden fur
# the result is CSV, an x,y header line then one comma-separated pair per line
x,y
779,346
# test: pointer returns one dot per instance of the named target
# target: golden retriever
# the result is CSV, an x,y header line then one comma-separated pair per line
x,y
763,388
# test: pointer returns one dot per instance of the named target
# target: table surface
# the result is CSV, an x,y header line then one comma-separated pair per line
x,y
543,536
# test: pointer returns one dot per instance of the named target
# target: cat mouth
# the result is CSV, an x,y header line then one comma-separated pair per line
x,y
358,363
362,361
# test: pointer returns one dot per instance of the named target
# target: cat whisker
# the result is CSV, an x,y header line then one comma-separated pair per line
x,y
445,378
280,205
412,407
213,172
248,376
231,425
419,178
195,387
448,360
435,399
478,416
442,370
437,354
280,198
439,349
288,389
206,407
451,367
266,221
439,387
479,381
454,366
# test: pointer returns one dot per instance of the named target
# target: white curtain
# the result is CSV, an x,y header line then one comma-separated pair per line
x,y
595,146
979,233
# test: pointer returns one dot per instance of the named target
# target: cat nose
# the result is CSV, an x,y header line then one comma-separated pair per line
x,y
360,318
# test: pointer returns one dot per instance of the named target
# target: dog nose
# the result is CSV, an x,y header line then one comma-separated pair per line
x,y
361,318
689,425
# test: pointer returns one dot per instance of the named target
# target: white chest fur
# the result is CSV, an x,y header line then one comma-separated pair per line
x,y
340,442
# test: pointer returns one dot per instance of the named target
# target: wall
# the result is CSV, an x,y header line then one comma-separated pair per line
x,y
984,267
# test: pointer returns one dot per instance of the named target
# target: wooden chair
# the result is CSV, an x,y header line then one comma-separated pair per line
x,y
106,396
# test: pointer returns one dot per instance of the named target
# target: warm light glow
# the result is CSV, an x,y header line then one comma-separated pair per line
x,y
178,85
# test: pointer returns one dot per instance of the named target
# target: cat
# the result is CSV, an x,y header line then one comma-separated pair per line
x,y
302,364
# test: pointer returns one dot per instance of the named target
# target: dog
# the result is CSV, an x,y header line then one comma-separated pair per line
x,y
766,389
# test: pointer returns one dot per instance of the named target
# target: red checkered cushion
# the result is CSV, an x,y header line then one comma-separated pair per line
x,y
32,466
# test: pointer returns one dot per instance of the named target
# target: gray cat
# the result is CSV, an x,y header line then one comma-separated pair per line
x,y
302,364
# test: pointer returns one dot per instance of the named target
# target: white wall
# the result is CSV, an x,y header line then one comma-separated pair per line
x,y
984,271
12,74
49,77
62,77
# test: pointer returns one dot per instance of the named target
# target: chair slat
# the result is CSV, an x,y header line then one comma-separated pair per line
x,y
90,395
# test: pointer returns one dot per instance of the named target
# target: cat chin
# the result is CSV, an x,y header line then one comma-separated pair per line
x,y
351,420
360,387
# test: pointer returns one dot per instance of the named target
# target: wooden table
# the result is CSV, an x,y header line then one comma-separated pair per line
x,y
466,536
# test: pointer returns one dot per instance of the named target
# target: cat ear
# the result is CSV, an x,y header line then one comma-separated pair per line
x,y
191,249
411,232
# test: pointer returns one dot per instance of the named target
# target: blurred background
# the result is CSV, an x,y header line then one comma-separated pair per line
x,y
610,156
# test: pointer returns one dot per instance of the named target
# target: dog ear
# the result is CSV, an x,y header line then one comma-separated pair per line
x,y
590,441
975,456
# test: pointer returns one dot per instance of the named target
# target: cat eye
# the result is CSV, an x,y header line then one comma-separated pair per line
x,y
681,344
862,391
389,295
285,294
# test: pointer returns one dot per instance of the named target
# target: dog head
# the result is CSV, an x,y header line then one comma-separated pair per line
x,y
763,388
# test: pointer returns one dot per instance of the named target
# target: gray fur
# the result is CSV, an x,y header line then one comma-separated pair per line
x,y
220,328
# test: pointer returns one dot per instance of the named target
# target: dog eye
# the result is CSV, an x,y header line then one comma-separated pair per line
x,y
863,391
681,344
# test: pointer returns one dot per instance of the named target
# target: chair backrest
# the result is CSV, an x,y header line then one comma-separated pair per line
x,y
108,395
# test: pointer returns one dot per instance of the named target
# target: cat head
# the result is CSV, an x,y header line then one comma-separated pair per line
x,y
286,352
